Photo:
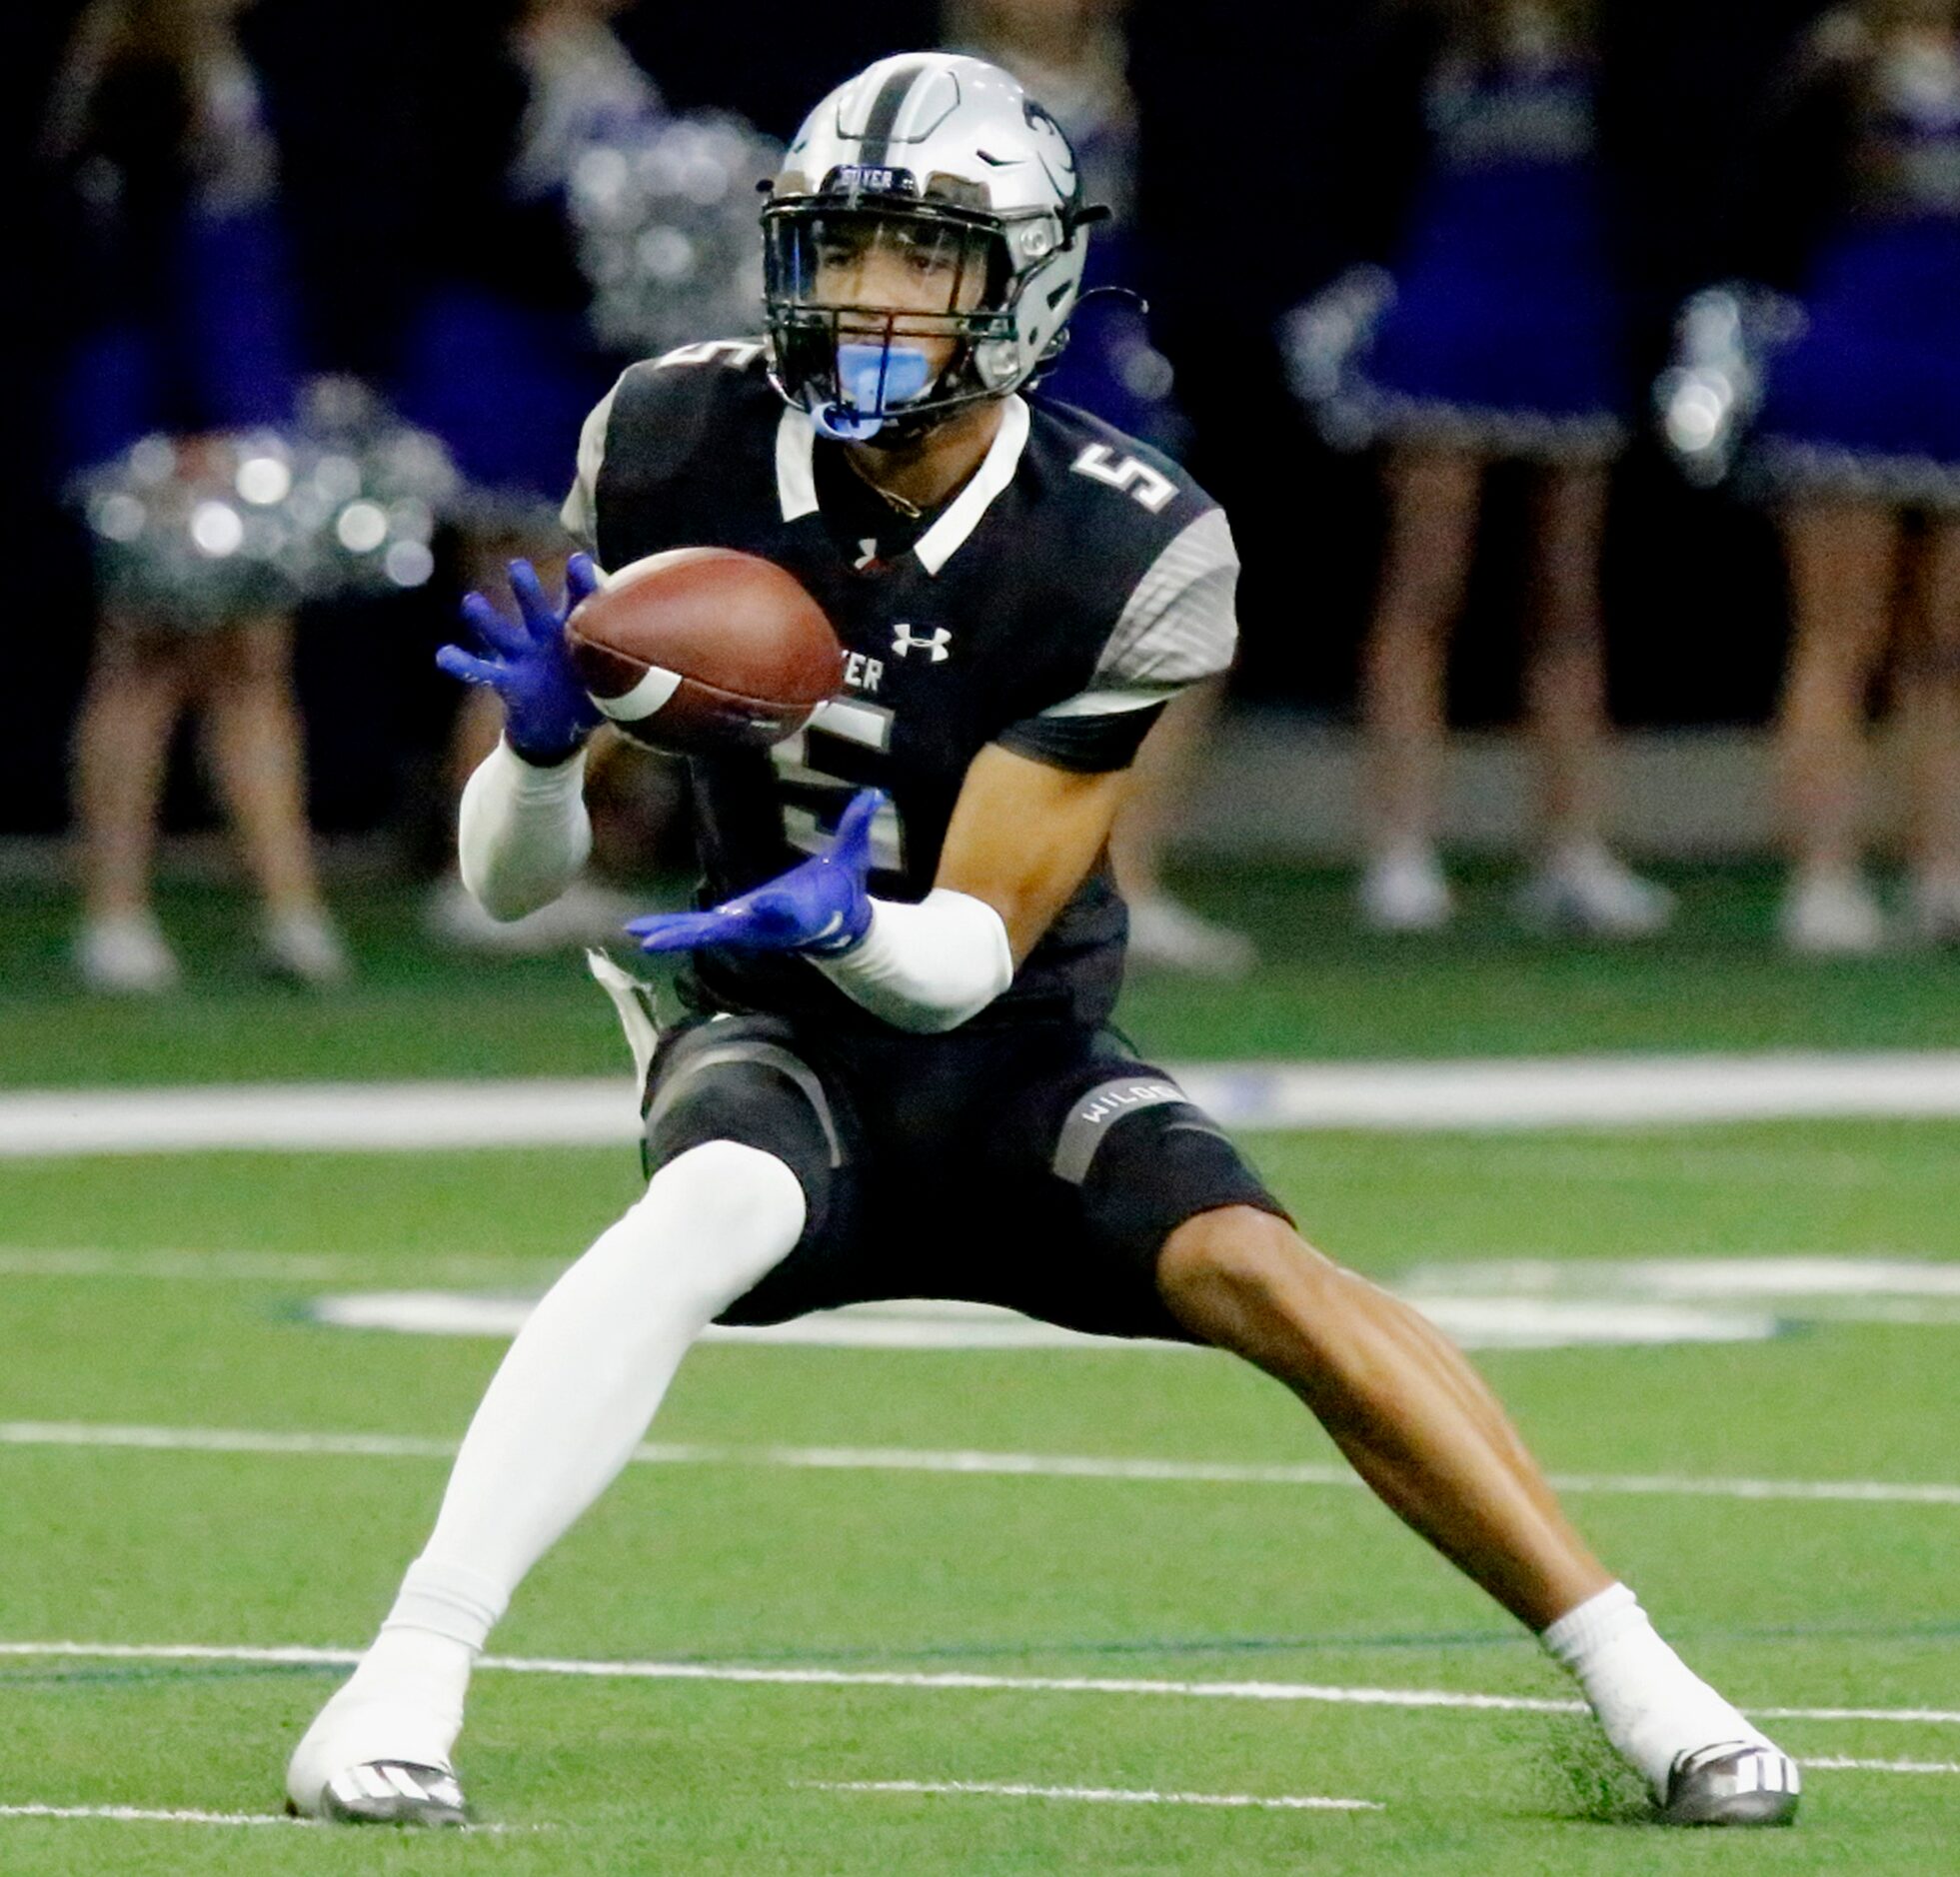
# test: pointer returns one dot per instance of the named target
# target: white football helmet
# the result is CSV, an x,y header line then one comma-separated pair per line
x,y
943,157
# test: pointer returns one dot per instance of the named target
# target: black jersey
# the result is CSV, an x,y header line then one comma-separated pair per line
x,y
1052,606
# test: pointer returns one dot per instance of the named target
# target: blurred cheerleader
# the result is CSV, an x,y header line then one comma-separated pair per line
x,y
498,360
1071,54
1855,207
1496,336
188,332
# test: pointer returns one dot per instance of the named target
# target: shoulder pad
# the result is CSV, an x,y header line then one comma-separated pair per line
x,y
669,414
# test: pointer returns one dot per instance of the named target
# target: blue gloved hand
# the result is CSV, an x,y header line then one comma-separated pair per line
x,y
820,906
546,714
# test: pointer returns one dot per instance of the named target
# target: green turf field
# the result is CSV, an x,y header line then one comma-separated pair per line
x,y
177,1467
1324,989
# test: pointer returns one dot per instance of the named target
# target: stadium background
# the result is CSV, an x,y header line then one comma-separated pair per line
x,y
1692,1200
1241,178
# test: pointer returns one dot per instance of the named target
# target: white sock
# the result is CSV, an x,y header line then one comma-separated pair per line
x,y
1651,1704
562,1416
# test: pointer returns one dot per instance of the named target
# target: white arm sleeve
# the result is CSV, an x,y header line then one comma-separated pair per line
x,y
523,832
927,967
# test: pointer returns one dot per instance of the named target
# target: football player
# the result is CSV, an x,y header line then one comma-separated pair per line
x,y
896,1076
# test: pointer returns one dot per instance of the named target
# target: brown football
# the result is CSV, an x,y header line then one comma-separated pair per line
x,y
703,649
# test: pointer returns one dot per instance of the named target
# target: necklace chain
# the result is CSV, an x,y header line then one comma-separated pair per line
x,y
910,510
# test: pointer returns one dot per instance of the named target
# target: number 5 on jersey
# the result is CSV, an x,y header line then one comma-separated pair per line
x,y
813,797
1151,488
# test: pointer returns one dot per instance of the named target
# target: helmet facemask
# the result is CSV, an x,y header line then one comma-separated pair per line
x,y
888,313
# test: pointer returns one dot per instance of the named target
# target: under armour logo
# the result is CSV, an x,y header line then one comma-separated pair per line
x,y
904,641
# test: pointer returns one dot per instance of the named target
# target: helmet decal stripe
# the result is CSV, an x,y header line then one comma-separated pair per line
x,y
883,116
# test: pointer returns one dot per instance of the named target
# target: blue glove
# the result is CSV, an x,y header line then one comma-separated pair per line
x,y
820,906
546,714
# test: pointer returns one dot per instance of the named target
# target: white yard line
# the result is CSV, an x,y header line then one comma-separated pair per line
x,y
930,1461
148,1815
142,1815
223,1441
1933,1716
951,1680
1580,1091
1478,1096
1844,1491
302,1117
1501,1303
275,1268
1881,1766
1094,1795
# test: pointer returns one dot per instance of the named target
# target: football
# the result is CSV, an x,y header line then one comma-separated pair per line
x,y
703,651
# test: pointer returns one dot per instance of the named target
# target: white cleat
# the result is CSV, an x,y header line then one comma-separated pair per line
x,y
1166,933
391,1792
371,1760
305,948
1833,915
1734,1782
1403,890
126,954
1589,892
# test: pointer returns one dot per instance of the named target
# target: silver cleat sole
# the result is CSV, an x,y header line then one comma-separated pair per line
x,y
1732,1783
395,1792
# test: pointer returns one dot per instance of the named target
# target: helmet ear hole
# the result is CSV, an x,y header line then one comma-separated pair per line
x,y
998,363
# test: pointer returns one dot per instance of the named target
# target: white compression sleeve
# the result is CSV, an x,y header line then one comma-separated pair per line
x,y
561,1418
582,1381
927,967
522,833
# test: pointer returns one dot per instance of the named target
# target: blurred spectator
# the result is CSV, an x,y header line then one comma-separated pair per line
x,y
1854,206
157,129
1070,56
786,54
1496,334
498,360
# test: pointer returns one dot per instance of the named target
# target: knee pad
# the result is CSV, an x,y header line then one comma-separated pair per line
x,y
734,1190
713,1222
746,1093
